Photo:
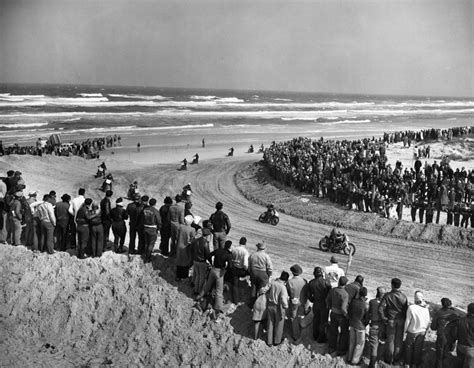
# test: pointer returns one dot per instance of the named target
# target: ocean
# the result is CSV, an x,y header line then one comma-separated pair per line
x,y
30,111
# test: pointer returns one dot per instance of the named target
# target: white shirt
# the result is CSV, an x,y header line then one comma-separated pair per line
x,y
333,274
418,318
240,257
76,203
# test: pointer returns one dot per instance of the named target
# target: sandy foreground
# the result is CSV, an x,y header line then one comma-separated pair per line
x,y
59,311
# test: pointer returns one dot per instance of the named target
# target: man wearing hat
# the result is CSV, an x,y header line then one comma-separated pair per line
x,y
61,211
276,307
184,258
295,287
15,218
317,292
31,235
118,216
201,254
260,269
105,208
334,272
176,218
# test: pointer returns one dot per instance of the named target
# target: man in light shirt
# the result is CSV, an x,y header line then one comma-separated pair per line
x,y
48,223
416,325
239,267
76,203
334,272
260,269
3,213
276,308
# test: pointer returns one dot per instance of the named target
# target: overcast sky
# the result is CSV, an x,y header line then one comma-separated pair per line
x,y
341,46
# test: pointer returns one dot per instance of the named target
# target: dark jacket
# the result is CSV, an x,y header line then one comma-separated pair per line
x,y
220,222
353,290
374,316
394,306
222,257
105,208
165,222
441,318
133,210
358,314
150,218
118,214
337,301
466,331
200,249
61,211
318,290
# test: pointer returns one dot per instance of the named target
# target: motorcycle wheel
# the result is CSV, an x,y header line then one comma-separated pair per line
x,y
349,249
262,218
323,244
274,220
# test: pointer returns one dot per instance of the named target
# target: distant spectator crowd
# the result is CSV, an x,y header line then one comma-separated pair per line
x,y
356,174
88,148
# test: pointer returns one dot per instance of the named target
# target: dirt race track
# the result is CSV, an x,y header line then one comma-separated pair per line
x,y
436,269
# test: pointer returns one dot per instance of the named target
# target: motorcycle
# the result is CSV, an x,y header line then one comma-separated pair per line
x,y
184,165
107,184
269,218
327,243
231,152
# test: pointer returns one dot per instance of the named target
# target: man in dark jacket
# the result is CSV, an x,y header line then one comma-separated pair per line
x,y
105,208
221,225
96,230
377,326
133,209
140,224
176,218
392,310
118,216
337,303
441,318
353,288
61,211
317,292
165,231
82,227
465,348
358,319
151,226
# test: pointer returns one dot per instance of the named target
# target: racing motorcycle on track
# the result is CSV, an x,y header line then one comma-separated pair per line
x,y
270,216
337,244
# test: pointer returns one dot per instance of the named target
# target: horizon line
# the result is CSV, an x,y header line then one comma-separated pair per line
x,y
233,89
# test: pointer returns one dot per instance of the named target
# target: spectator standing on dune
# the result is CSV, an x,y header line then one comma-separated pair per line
x,y
221,225
176,218
165,231
317,292
392,310
118,216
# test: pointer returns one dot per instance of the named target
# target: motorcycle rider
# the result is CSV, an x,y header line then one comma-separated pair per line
x,y
270,212
337,237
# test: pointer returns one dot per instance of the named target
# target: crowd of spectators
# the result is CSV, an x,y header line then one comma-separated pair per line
x,y
88,148
356,174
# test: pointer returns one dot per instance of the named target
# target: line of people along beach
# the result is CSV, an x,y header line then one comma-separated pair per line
x,y
356,174
343,319
89,148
